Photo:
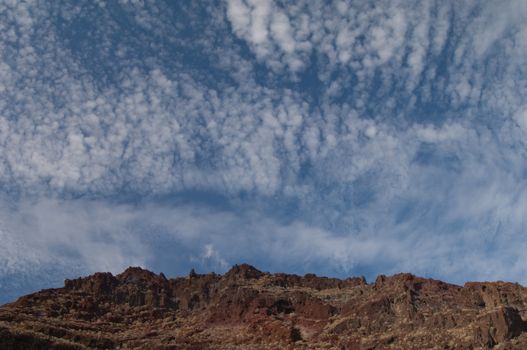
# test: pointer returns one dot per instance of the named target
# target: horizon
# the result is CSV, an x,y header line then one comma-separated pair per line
x,y
336,138
264,272
371,281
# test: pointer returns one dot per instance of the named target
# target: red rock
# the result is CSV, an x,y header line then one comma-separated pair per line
x,y
249,309
243,271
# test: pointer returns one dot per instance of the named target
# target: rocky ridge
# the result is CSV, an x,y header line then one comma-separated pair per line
x,y
249,309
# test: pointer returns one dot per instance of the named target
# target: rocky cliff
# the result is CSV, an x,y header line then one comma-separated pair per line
x,y
250,309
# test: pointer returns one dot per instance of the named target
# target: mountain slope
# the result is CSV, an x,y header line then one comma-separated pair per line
x,y
250,309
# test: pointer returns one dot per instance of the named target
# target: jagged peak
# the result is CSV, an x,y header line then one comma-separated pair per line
x,y
134,273
408,281
244,271
399,278
99,282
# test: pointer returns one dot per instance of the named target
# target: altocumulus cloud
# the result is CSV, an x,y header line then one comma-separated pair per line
x,y
339,138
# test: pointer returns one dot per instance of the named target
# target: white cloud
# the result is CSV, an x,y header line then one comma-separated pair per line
x,y
407,151
80,236
211,260
156,131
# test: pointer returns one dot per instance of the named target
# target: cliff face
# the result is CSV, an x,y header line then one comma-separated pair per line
x,y
249,309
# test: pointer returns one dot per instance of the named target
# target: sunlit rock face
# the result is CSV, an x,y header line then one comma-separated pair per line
x,y
249,309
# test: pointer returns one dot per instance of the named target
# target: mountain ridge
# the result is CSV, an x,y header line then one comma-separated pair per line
x,y
246,308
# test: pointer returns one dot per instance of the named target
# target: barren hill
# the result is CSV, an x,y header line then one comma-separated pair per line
x,y
250,309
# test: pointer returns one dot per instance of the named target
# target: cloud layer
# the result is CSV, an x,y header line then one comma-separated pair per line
x,y
366,138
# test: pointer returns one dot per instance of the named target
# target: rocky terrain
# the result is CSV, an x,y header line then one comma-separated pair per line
x,y
250,309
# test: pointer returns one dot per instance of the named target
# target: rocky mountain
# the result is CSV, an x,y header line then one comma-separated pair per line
x,y
249,309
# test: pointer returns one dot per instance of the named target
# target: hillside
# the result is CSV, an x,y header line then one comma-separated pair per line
x,y
249,309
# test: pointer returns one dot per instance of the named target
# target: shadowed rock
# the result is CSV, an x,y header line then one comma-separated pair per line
x,y
243,271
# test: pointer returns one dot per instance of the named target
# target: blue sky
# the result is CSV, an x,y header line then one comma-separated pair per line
x,y
340,138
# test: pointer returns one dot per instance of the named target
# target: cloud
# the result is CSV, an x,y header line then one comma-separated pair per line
x,y
161,128
211,260
363,137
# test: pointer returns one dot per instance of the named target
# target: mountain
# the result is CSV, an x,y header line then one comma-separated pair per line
x,y
249,309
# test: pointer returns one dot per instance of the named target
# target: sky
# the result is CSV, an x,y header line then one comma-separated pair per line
x,y
339,138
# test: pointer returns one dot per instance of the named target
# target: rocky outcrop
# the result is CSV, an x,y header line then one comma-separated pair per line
x,y
499,325
243,272
250,309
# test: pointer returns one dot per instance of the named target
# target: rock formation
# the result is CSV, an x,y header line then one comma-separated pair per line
x,y
250,309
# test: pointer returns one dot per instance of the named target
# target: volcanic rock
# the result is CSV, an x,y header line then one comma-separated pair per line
x,y
250,309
